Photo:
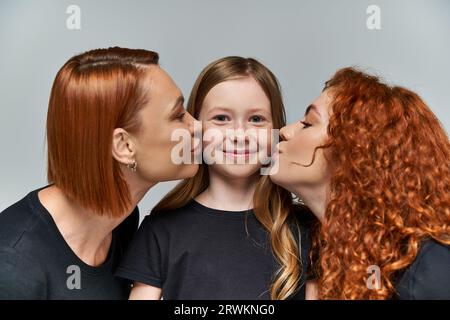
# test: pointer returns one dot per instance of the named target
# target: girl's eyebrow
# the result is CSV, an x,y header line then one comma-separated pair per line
x,y
257,109
223,108
219,108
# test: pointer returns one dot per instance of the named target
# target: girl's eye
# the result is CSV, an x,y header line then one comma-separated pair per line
x,y
220,117
305,124
256,119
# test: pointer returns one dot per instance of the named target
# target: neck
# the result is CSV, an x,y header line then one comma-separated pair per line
x,y
316,199
228,193
88,234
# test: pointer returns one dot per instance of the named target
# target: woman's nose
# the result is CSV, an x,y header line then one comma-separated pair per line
x,y
285,133
192,123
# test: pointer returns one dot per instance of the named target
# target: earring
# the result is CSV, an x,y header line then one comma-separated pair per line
x,y
299,200
132,166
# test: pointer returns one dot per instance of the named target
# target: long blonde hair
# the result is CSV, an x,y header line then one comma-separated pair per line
x,y
272,204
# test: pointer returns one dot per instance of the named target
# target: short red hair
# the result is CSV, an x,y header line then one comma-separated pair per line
x,y
92,94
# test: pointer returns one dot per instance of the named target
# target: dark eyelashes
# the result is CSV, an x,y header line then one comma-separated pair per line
x,y
181,116
260,118
256,119
305,124
220,117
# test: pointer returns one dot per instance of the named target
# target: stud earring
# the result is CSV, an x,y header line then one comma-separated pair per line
x,y
299,200
132,166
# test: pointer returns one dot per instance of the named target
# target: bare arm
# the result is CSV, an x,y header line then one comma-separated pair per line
x,y
142,291
312,290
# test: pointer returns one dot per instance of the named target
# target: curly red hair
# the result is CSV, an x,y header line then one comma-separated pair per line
x,y
390,185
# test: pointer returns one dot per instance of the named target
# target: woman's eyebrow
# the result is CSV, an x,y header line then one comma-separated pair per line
x,y
312,107
179,101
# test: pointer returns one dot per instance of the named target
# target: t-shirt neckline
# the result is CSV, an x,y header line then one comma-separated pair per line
x,y
39,208
225,214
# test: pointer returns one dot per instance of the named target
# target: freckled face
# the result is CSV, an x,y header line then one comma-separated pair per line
x,y
240,105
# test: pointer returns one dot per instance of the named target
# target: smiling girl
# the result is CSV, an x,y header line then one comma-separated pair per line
x,y
215,236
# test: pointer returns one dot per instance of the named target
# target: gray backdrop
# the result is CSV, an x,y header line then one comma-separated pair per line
x,y
303,42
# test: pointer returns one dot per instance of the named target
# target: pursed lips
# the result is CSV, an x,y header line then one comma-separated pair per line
x,y
277,148
196,148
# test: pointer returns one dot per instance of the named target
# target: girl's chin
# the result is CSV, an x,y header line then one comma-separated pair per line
x,y
237,170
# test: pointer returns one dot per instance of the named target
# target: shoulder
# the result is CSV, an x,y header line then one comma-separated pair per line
x,y
20,276
130,224
303,216
169,219
306,221
427,277
303,222
23,239
17,220
159,226
127,229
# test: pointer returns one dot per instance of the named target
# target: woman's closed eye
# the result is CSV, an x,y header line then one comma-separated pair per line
x,y
179,113
305,124
180,117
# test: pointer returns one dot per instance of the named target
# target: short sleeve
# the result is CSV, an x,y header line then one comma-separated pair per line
x,y
142,261
20,278
428,278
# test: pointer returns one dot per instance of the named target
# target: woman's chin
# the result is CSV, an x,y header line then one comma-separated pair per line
x,y
275,175
178,172
274,169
